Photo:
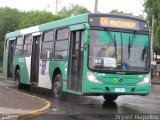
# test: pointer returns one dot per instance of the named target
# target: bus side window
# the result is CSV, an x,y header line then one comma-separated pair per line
x,y
61,43
47,45
27,45
19,45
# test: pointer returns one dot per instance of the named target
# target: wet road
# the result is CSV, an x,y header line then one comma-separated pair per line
x,y
95,108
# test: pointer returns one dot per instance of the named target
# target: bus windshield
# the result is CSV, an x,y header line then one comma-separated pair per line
x,y
119,51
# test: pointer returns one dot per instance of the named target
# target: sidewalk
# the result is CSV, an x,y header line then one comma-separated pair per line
x,y
155,80
14,103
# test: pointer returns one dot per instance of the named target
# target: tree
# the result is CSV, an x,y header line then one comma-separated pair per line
x,y
13,19
152,7
9,21
73,10
33,18
123,13
116,11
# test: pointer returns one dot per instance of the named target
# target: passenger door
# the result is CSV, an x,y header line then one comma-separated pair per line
x,y
45,58
10,58
75,60
35,59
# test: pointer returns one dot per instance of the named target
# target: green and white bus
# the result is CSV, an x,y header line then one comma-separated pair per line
x,y
89,54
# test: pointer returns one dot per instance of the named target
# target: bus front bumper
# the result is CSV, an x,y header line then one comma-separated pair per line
x,y
119,90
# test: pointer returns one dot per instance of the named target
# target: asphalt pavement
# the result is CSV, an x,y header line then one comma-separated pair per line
x,y
14,103
127,107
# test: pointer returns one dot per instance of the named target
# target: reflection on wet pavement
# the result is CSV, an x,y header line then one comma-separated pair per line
x,y
95,108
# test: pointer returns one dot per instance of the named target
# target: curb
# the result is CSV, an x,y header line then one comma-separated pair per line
x,y
33,113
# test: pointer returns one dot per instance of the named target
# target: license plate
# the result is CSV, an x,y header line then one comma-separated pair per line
x,y
120,90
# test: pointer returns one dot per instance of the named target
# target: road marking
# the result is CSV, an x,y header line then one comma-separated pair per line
x,y
33,113
54,110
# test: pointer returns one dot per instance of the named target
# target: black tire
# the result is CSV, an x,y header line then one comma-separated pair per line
x,y
110,98
18,79
57,88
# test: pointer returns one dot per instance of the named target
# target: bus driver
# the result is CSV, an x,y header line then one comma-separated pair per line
x,y
104,52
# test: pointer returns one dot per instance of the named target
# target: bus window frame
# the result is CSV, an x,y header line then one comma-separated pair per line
x,y
56,32
42,41
21,54
27,44
118,71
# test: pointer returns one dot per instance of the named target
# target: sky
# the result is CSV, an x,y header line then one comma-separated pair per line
x,y
104,6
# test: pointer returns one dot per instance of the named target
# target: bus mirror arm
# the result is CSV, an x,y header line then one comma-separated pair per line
x,y
86,34
87,37
85,46
86,26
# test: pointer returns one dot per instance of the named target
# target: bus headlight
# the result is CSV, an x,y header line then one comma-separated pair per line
x,y
146,80
91,77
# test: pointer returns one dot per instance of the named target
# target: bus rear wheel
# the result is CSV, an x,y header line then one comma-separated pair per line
x,y
17,79
110,98
57,88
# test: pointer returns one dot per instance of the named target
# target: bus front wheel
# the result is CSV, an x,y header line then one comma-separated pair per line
x,y
57,88
17,79
110,98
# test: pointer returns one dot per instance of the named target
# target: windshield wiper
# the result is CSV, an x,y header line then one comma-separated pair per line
x,y
131,42
129,47
115,45
133,38
114,40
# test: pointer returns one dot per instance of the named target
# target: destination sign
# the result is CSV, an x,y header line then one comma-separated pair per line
x,y
119,23
116,22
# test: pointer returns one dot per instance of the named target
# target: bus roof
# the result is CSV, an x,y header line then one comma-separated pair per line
x,y
83,18
55,24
